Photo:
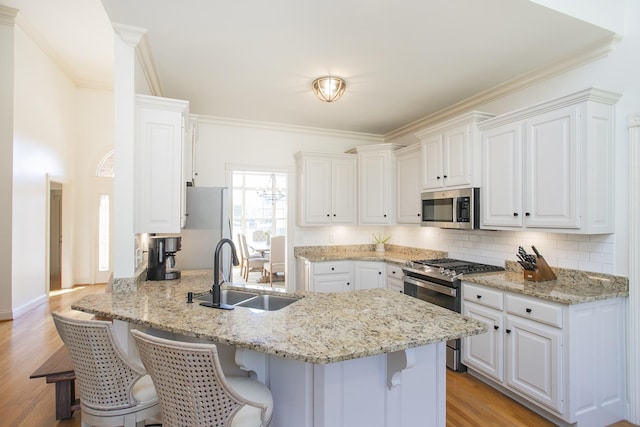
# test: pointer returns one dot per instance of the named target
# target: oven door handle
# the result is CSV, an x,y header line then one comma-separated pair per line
x,y
452,292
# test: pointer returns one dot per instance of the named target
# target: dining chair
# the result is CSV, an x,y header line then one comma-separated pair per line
x,y
276,263
194,391
114,389
250,262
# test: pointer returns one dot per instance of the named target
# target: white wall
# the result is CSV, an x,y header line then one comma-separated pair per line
x,y
44,135
94,133
6,159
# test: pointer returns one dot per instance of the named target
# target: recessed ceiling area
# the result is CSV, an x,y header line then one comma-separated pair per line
x,y
256,60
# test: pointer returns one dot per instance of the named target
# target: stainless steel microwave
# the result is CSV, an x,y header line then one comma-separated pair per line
x,y
458,209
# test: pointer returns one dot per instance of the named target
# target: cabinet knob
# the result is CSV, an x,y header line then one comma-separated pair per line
x,y
418,214
527,214
437,177
528,310
445,176
379,272
348,283
508,331
496,327
515,214
328,215
479,296
332,268
385,215
334,214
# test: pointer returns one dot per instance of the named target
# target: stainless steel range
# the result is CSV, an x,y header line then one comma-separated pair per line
x,y
438,281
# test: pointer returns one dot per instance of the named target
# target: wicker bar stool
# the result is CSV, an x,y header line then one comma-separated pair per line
x,y
194,391
114,389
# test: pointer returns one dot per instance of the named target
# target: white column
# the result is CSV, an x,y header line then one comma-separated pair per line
x,y
634,269
124,244
7,28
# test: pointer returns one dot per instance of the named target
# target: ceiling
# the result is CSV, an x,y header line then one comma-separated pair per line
x,y
255,60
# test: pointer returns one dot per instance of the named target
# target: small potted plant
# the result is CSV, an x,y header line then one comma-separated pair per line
x,y
380,239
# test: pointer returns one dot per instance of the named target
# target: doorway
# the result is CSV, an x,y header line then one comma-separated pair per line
x,y
55,236
259,201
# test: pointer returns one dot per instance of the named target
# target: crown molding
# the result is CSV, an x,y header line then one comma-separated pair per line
x,y
369,137
634,120
8,15
585,56
137,38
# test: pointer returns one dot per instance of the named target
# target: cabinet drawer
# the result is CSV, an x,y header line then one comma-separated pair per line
x,y
394,271
535,310
332,267
486,297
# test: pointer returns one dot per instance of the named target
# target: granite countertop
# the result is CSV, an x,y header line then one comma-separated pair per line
x,y
570,287
392,254
319,328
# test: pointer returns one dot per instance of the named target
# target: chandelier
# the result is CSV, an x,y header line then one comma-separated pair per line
x,y
271,192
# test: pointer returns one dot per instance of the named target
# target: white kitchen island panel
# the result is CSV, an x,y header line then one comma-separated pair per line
x,y
400,389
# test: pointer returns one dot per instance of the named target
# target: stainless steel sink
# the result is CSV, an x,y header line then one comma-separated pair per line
x,y
267,302
228,296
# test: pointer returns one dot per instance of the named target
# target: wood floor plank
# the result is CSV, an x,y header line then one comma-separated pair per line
x,y
28,341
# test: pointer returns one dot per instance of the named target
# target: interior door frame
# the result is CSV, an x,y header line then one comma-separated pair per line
x,y
56,183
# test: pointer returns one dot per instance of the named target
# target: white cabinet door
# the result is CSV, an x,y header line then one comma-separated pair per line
x,y
317,194
456,156
432,163
343,190
485,352
369,275
326,189
408,174
332,283
375,173
534,354
501,192
159,150
551,170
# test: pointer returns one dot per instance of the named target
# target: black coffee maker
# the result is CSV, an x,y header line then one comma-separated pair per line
x,y
161,258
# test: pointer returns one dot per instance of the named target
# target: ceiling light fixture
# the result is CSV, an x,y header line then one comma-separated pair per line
x,y
328,88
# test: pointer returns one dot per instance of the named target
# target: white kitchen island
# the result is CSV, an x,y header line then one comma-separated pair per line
x,y
364,358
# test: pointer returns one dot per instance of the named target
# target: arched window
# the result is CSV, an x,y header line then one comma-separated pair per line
x,y
105,167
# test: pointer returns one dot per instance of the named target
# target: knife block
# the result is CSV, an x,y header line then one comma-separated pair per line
x,y
541,274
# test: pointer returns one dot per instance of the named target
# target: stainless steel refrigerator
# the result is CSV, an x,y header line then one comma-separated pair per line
x,y
208,220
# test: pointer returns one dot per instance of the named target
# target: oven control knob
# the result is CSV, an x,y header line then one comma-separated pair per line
x,y
442,270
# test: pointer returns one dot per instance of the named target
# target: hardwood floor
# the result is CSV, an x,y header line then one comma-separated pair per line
x,y
27,342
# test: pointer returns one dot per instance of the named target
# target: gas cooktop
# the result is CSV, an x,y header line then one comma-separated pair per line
x,y
448,269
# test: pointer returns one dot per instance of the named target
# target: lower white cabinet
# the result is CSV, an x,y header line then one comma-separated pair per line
x,y
331,276
369,275
567,360
341,276
394,278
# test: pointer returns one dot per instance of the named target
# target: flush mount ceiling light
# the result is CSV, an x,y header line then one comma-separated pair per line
x,y
328,88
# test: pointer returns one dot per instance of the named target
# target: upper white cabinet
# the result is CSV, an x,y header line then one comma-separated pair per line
x,y
376,184
451,152
409,186
326,189
159,143
550,166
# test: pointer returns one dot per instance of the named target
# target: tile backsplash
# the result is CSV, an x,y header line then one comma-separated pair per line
x,y
572,251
